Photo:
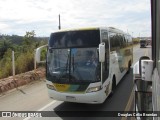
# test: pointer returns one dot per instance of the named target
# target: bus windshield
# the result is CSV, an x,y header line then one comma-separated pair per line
x,y
73,65
143,41
81,38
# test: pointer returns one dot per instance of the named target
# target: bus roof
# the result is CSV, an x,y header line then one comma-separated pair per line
x,y
92,28
78,29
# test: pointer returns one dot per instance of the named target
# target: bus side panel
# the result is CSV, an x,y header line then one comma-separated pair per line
x,y
121,54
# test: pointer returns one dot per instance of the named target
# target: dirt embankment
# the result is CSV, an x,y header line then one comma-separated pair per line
x,y
21,79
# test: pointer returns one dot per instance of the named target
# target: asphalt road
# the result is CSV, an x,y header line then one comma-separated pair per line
x,y
117,102
34,97
138,52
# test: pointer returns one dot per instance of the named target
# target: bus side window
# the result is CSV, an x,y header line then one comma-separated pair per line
x,y
113,41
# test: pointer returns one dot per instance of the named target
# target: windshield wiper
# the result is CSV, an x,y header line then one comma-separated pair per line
x,y
65,70
67,64
73,63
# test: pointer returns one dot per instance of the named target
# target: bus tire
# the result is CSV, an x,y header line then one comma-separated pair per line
x,y
113,85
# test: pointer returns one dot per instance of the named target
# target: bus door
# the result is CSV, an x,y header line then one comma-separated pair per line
x,y
104,38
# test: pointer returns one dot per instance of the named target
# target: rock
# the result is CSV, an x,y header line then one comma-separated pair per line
x,y
21,82
21,79
2,89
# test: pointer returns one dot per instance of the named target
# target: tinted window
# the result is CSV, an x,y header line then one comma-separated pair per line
x,y
85,38
73,65
128,39
114,40
121,41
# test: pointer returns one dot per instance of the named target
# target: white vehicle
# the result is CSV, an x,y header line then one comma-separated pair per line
x,y
85,65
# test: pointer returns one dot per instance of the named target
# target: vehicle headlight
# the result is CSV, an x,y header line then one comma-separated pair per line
x,y
51,87
94,89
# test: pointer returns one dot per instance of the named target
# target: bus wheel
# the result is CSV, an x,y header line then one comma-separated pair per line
x,y
113,85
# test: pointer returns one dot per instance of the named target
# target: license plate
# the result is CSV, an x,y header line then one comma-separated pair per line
x,y
70,98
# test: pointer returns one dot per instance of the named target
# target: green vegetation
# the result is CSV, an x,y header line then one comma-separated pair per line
x,y
24,52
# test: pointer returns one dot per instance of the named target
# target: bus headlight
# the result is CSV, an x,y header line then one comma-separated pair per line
x,y
51,87
94,89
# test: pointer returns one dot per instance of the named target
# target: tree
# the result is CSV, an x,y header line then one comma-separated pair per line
x,y
29,37
4,45
29,41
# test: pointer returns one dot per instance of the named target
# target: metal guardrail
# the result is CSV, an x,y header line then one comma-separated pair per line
x,y
156,92
147,93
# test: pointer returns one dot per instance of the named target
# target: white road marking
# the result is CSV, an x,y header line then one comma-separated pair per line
x,y
41,109
49,104
129,103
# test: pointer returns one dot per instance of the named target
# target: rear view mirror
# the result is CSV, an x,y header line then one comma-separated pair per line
x,y
38,54
102,52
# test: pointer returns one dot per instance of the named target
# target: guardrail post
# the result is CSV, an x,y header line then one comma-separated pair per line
x,y
35,64
13,65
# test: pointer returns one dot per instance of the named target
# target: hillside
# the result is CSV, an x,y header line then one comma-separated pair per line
x,y
24,47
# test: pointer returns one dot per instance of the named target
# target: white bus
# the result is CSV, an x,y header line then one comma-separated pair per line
x,y
85,65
